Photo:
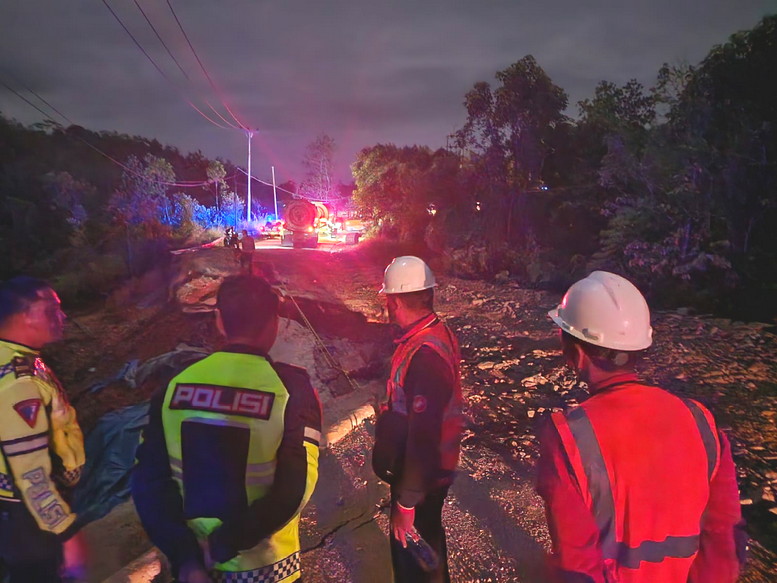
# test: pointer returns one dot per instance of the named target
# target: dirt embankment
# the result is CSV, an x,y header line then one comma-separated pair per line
x,y
512,367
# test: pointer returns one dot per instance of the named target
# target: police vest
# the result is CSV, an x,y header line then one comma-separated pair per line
x,y
433,333
644,460
41,438
223,420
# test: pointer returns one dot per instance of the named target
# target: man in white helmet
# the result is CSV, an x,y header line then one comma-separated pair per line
x,y
418,433
639,484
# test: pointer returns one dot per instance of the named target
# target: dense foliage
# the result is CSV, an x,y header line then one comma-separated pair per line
x,y
673,186
88,209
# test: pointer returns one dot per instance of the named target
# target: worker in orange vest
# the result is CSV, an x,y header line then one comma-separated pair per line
x,y
639,484
418,433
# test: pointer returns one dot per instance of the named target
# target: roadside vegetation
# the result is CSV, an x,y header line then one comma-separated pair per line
x,y
674,186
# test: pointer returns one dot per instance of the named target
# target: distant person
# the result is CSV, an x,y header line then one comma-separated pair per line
x,y
41,441
418,432
230,237
230,456
247,248
639,484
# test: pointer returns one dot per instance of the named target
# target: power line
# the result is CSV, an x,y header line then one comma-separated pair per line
x,y
161,72
266,183
47,115
160,39
196,56
169,52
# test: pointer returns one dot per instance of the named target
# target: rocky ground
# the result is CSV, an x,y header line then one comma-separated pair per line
x,y
512,371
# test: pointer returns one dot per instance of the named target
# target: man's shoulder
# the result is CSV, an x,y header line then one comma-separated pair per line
x,y
295,378
427,354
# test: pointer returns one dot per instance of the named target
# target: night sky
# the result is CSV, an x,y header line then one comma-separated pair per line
x,y
364,72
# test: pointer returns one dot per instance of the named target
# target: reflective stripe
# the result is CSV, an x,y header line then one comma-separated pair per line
x,y
707,437
313,434
261,474
261,468
270,574
604,507
176,468
677,547
598,479
6,369
26,444
260,480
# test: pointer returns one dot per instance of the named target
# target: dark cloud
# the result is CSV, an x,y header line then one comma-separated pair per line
x,y
364,72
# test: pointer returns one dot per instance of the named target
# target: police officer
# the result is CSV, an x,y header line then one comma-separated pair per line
x,y
639,485
418,433
42,444
230,455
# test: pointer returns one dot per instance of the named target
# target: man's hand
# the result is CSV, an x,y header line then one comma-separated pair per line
x,y
402,523
206,558
75,557
193,572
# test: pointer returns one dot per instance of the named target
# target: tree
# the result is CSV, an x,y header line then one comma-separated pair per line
x,y
507,137
397,187
142,199
729,107
318,162
69,199
216,174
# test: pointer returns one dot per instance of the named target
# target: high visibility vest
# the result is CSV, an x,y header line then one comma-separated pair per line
x,y
430,332
643,459
38,426
238,393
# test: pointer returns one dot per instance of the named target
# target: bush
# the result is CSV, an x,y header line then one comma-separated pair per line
x,y
381,250
90,280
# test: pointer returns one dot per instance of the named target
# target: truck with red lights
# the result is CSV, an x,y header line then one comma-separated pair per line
x,y
302,219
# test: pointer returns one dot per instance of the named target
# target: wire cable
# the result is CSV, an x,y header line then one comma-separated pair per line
x,y
161,72
47,115
180,67
202,66
267,183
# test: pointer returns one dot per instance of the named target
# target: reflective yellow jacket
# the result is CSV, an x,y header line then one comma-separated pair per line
x,y
41,441
231,455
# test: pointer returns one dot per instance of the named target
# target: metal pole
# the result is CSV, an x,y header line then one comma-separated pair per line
x,y
248,205
274,194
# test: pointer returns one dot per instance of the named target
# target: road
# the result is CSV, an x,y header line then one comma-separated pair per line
x,y
325,245
512,373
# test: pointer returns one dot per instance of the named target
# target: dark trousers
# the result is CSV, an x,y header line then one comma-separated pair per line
x,y
247,262
428,523
28,554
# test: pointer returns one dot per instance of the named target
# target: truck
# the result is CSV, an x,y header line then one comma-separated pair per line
x,y
302,219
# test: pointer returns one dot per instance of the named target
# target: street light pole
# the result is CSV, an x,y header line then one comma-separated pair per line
x,y
274,194
248,197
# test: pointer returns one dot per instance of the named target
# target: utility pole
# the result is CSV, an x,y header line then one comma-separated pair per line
x,y
248,198
274,194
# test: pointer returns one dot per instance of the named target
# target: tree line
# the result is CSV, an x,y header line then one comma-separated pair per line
x,y
88,209
673,186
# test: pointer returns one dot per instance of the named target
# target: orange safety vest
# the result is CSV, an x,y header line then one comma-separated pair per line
x,y
431,332
643,459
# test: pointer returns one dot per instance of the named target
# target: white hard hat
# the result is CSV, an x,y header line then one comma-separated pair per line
x,y
606,310
407,274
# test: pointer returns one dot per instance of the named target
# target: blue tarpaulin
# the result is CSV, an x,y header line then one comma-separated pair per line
x,y
110,455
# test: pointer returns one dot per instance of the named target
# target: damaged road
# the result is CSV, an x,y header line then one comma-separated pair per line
x,y
512,376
